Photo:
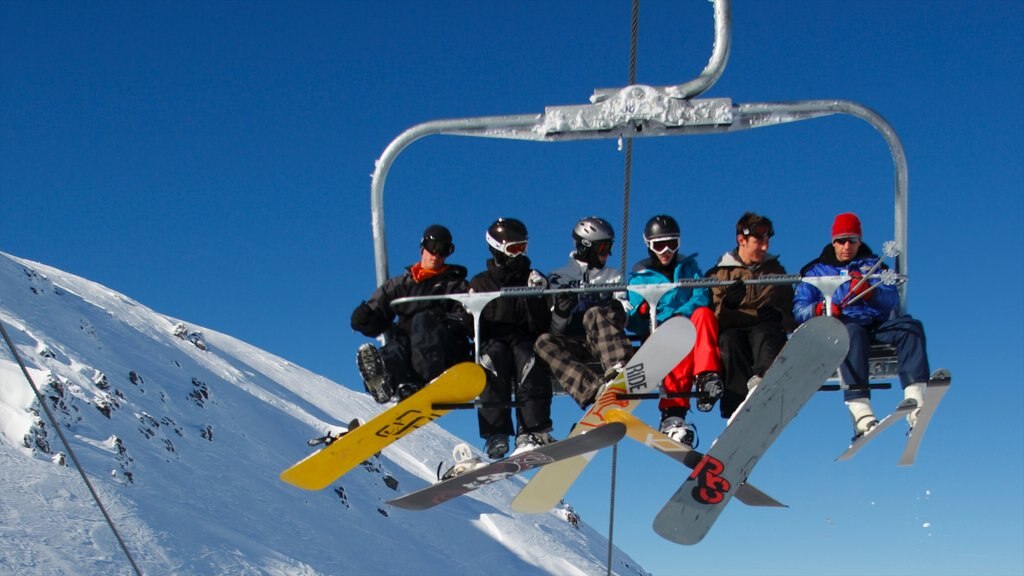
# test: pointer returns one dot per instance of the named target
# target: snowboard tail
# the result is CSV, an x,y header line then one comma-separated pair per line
x,y
460,383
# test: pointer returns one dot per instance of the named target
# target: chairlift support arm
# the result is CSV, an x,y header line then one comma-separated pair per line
x,y
639,111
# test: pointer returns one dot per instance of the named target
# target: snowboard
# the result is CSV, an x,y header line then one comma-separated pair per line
x,y
467,482
460,383
658,355
643,433
938,384
812,354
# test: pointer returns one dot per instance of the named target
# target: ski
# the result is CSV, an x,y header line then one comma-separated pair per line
x,y
938,384
658,355
467,482
640,431
460,383
812,354
905,407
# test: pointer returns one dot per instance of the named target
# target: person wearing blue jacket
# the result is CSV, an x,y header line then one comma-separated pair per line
x,y
867,307
703,365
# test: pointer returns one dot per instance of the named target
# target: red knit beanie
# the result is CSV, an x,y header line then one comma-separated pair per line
x,y
845,225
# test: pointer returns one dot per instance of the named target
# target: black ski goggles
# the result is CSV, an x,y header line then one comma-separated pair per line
x,y
442,248
761,230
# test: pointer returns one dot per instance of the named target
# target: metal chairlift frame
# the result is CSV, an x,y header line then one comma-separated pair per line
x,y
639,110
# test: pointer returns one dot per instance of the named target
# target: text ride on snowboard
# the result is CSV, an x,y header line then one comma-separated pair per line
x,y
658,355
460,383
446,490
812,354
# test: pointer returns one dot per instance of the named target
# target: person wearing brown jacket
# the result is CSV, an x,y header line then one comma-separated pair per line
x,y
752,319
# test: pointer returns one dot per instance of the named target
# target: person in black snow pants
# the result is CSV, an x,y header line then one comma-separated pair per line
x,y
508,328
429,337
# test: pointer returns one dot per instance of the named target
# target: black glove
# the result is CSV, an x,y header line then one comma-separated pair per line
x,y
734,294
768,313
565,302
368,321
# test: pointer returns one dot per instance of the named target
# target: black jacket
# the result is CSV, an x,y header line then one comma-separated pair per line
x,y
510,316
374,316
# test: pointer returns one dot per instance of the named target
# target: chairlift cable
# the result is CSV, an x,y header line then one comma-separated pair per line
x,y
71,452
626,184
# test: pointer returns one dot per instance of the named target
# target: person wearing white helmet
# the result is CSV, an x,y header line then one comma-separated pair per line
x,y
508,329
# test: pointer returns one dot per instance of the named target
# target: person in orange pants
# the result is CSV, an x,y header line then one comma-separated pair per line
x,y
703,365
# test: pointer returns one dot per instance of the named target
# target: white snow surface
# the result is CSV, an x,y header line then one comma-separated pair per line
x,y
187,461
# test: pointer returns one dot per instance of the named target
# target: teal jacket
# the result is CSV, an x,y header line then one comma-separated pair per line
x,y
675,302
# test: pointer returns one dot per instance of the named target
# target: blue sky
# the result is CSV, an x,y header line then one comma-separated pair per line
x,y
212,161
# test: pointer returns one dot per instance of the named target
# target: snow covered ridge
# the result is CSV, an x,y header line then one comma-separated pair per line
x,y
183,432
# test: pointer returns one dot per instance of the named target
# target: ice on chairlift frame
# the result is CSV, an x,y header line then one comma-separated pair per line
x,y
639,111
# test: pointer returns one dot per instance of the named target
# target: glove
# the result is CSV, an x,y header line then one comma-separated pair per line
x,y
734,294
367,321
855,277
819,310
564,303
768,313
537,280
643,308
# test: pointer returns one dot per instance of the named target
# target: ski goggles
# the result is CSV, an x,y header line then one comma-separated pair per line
x,y
438,247
513,249
602,248
761,230
662,245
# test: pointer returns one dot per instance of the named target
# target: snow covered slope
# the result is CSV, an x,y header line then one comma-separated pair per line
x,y
183,432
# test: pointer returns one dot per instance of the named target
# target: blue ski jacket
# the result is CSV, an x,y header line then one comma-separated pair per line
x,y
865,311
675,302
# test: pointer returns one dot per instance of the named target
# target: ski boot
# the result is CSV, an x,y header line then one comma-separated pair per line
x,y
375,377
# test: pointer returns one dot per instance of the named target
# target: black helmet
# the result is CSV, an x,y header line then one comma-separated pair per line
x,y
437,240
507,238
593,236
661,233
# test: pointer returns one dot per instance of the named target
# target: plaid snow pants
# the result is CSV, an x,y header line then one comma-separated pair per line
x,y
604,342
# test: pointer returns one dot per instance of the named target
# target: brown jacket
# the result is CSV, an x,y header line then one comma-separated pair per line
x,y
779,296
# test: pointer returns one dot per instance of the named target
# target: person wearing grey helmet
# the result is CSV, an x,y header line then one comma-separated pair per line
x,y
587,329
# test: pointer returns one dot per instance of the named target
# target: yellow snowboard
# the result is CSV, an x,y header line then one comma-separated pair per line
x,y
460,383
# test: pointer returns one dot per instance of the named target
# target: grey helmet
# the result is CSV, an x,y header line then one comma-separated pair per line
x,y
592,236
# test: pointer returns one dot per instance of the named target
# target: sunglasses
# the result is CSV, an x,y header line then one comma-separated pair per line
x,y
513,249
438,247
662,245
847,240
760,230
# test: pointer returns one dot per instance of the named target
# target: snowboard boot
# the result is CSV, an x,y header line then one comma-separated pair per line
x,y
375,377
754,381
496,446
675,426
464,462
709,390
531,441
915,392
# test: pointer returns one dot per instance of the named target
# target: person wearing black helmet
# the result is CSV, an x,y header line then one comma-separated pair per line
x,y
508,328
752,319
703,364
428,337
586,328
